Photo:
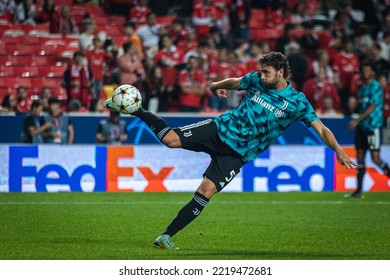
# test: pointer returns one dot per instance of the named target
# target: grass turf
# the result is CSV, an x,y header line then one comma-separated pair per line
x,y
237,226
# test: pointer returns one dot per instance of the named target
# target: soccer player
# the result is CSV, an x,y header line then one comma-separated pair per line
x,y
368,124
240,135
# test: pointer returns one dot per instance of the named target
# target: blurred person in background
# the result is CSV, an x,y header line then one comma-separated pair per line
x,y
25,12
321,61
368,125
287,37
298,62
77,80
130,66
61,131
157,98
318,87
384,82
96,61
129,32
7,7
112,131
34,124
48,13
139,11
88,28
44,97
192,83
9,104
65,24
150,33
204,16
22,101
327,108
382,66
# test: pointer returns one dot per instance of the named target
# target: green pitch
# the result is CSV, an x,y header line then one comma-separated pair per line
x,y
238,226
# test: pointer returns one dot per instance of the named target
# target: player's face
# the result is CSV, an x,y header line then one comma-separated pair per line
x,y
270,77
367,73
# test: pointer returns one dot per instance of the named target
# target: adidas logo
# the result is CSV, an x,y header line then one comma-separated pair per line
x,y
222,184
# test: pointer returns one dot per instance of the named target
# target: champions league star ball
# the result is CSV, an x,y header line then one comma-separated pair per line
x,y
127,98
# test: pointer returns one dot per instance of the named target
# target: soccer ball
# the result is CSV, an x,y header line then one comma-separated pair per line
x,y
127,99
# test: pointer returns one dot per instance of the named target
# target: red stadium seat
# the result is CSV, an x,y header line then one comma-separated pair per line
x,y
26,71
46,50
42,60
15,82
52,71
8,60
6,71
20,50
44,82
165,20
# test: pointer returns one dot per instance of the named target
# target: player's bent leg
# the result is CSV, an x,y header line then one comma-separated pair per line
x,y
379,162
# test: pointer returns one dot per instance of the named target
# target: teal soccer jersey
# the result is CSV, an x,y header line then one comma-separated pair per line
x,y
262,117
371,94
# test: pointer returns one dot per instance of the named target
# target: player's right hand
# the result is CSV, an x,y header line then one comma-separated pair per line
x,y
221,93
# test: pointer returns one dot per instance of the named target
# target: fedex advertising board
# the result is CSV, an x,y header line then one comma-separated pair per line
x,y
155,168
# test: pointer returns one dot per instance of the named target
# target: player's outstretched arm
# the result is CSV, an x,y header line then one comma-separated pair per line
x,y
219,88
329,139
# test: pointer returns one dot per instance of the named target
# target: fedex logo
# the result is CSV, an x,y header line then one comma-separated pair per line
x,y
105,169
285,169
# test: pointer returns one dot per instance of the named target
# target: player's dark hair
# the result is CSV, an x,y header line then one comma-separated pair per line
x,y
276,60
368,63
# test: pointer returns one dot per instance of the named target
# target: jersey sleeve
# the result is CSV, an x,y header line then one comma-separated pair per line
x,y
306,113
246,81
376,97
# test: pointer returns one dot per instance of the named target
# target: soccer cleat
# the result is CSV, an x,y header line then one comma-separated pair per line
x,y
110,106
164,241
354,195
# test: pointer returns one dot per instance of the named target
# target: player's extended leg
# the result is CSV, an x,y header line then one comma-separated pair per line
x,y
361,170
187,214
376,158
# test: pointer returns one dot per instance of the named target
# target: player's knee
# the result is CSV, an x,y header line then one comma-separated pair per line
x,y
171,140
207,188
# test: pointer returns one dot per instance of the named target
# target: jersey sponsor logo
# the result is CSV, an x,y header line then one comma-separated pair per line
x,y
263,103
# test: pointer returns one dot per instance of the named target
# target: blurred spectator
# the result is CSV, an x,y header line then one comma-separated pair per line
x,y
192,82
327,42
222,16
129,32
111,72
66,24
97,106
241,48
204,16
157,95
287,38
78,79
257,50
25,12
344,21
44,98
346,64
61,131
217,40
178,32
299,13
385,26
87,34
23,102
34,124
190,43
220,69
277,14
170,58
239,69
139,11
96,60
327,108
112,131
9,104
384,42
309,40
7,7
381,65
149,33
384,82
298,64
74,106
201,51
48,13
240,12
321,61
130,66
352,107
318,87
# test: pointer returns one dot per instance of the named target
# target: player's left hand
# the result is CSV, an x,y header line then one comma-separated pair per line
x,y
353,124
343,159
221,93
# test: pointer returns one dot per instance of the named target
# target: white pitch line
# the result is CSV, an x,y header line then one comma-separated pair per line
x,y
183,202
